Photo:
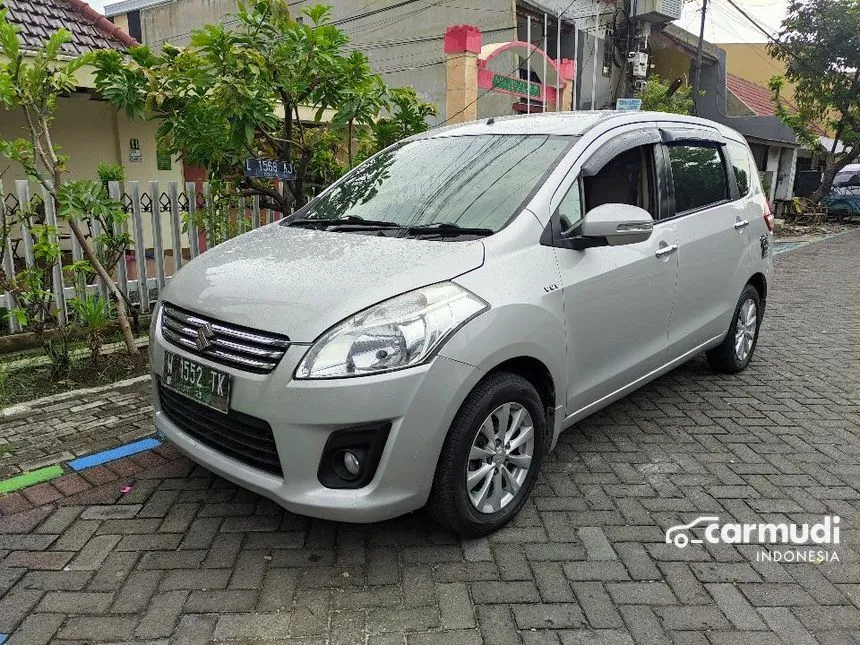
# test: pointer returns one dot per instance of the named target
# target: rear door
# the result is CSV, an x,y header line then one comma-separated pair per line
x,y
713,229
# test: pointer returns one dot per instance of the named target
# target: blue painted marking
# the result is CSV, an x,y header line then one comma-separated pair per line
x,y
3,638
82,463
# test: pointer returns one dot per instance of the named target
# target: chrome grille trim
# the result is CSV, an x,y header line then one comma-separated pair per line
x,y
235,346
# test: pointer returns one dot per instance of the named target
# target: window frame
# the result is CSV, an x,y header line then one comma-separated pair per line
x,y
731,183
551,235
752,168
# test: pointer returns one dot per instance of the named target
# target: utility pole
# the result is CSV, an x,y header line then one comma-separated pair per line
x,y
698,75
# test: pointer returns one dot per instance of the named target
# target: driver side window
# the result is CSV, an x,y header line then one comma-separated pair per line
x,y
626,179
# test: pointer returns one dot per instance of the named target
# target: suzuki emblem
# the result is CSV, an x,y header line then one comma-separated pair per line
x,y
205,334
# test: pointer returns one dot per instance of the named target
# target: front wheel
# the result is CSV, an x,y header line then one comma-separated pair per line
x,y
491,456
736,350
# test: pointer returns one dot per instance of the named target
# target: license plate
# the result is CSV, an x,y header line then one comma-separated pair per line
x,y
198,382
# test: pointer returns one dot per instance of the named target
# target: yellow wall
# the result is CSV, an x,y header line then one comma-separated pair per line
x,y
669,62
91,132
751,62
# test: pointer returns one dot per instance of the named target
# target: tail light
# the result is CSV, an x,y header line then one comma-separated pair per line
x,y
768,217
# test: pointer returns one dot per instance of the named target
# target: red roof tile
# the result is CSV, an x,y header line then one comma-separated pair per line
x,y
757,98
38,19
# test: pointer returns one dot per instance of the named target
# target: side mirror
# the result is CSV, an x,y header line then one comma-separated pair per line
x,y
614,225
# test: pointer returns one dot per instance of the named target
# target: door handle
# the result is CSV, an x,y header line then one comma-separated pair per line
x,y
741,224
666,250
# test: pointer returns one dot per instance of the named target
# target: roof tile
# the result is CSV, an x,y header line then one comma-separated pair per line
x,y
37,19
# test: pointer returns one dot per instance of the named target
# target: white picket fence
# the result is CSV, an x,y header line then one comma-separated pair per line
x,y
145,209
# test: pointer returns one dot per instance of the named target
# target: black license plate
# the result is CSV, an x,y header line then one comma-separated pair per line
x,y
198,382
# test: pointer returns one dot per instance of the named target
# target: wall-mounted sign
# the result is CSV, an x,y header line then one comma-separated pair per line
x,y
269,168
516,85
134,152
628,105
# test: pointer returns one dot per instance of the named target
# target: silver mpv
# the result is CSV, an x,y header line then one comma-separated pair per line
x,y
421,332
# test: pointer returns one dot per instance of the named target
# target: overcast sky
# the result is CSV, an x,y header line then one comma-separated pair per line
x,y
723,24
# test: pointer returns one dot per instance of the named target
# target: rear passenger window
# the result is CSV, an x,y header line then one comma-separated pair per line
x,y
699,176
741,165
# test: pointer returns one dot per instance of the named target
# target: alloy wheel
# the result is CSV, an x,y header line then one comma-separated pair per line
x,y
500,458
745,330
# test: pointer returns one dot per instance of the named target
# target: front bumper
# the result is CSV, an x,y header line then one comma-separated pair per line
x,y
420,403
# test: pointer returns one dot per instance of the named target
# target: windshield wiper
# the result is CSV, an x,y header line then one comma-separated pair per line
x,y
347,223
447,229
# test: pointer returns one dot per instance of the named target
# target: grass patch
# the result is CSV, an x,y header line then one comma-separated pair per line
x,y
20,381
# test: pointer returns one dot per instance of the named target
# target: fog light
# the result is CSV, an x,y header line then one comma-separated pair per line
x,y
351,463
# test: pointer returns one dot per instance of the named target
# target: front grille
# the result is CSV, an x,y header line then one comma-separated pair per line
x,y
240,436
232,345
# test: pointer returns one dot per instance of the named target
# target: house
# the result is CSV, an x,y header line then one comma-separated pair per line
x,y
87,129
751,63
735,102
404,40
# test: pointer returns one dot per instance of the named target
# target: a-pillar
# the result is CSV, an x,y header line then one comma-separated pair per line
x,y
462,45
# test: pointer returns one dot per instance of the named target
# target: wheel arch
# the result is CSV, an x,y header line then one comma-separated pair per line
x,y
759,282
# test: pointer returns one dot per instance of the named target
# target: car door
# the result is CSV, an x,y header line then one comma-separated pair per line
x,y
713,237
617,299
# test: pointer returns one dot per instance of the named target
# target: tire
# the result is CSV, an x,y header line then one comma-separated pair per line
x,y
726,357
451,501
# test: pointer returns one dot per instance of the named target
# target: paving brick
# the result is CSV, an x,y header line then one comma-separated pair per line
x,y
162,615
504,592
401,619
37,629
94,553
740,613
455,606
222,600
194,629
596,545
98,628
597,605
15,605
641,593
310,612
549,616
136,593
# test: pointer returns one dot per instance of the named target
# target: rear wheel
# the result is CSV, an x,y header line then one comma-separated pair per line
x,y
737,349
491,456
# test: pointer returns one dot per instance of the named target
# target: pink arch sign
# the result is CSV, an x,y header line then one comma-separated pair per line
x,y
467,38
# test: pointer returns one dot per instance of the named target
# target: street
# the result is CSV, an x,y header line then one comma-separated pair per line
x,y
186,557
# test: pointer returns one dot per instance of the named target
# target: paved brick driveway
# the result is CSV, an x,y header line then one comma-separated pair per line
x,y
186,557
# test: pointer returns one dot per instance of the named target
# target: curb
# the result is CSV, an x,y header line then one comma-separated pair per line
x,y
21,408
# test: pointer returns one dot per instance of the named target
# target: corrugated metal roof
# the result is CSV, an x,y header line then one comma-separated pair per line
x,y
38,19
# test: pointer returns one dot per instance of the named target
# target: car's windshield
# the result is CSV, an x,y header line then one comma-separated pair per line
x,y
470,181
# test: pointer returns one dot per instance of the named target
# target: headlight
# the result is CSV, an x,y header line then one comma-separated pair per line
x,y
396,333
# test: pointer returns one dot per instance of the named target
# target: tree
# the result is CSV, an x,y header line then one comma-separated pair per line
x,y
238,92
32,84
819,43
407,115
658,96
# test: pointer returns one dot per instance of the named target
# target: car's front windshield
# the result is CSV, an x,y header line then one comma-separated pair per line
x,y
475,182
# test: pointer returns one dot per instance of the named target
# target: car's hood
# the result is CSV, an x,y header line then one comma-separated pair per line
x,y
300,282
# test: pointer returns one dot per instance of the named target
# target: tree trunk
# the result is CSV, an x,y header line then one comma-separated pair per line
x,y
830,174
121,312
349,144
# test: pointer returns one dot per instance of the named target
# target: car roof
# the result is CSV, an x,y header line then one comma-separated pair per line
x,y
566,123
